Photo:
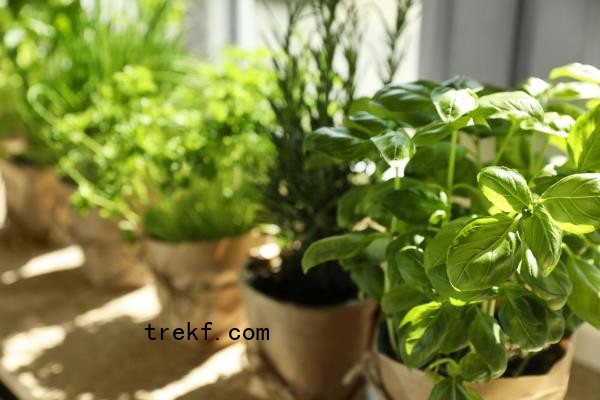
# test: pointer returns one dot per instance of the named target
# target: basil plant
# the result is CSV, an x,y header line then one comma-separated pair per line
x,y
480,262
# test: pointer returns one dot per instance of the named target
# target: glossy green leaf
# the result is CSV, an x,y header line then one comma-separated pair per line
x,y
338,143
453,389
584,141
368,278
577,71
535,86
366,123
336,248
424,330
570,91
402,299
436,251
554,289
585,297
406,97
438,277
432,133
473,368
395,147
487,339
415,204
543,239
451,104
511,105
529,323
483,253
554,124
505,188
573,203
409,262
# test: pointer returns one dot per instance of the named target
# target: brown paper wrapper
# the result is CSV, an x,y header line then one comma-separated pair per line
x,y
199,282
312,349
394,381
110,262
33,196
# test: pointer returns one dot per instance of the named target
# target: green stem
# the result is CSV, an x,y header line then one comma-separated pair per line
x,y
513,129
441,361
386,281
532,158
523,365
489,307
452,165
539,164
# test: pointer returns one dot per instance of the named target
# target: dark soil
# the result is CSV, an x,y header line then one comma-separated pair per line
x,y
326,285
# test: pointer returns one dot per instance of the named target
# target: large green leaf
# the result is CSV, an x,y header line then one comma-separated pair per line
x,y
336,248
554,289
486,336
584,141
401,299
483,253
585,297
574,203
451,104
543,239
414,96
409,263
339,143
415,204
505,188
438,276
511,105
366,123
577,71
395,147
424,330
570,91
453,389
436,251
529,323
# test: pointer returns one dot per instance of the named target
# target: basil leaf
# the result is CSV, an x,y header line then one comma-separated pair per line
x,y
577,71
401,299
339,143
486,336
505,188
483,253
424,330
554,289
584,141
436,251
453,388
585,297
415,204
414,96
574,203
336,248
431,133
543,239
473,368
395,147
511,105
441,283
409,262
451,104
367,123
529,323
570,91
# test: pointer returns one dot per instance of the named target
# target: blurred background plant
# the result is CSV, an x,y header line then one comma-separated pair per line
x,y
181,164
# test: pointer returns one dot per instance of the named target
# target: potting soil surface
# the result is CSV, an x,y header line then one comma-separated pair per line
x,y
62,339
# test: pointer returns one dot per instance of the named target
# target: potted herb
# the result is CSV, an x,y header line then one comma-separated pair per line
x,y
316,78
488,265
30,32
180,168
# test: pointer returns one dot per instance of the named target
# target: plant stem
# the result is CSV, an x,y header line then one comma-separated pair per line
x,y
532,158
489,307
452,165
523,365
513,129
386,281
539,164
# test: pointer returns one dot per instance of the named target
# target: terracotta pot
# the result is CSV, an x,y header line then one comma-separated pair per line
x,y
401,383
198,282
312,349
33,196
110,262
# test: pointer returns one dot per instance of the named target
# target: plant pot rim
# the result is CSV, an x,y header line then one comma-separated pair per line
x,y
353,303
